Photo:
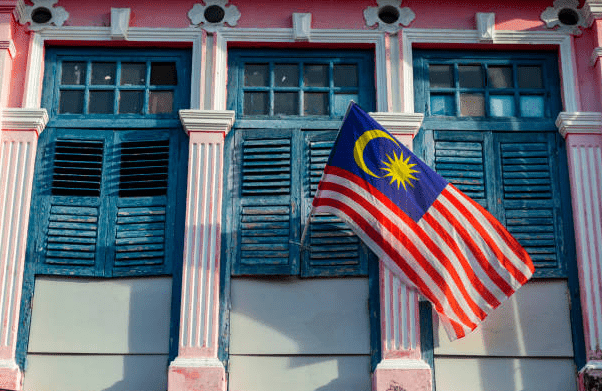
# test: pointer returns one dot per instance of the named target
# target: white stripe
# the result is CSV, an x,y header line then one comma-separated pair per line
x,y
516,261
405,253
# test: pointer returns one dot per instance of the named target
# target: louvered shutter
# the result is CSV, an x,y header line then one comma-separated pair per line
x,y
71,208
265,207
333,248
140,219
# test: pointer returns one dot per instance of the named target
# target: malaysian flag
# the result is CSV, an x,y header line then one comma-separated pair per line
x,y
438,240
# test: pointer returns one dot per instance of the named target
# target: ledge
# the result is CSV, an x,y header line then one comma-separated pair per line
x,y
207,120
579,122
592,10
24,119
196,362
400,363
400,123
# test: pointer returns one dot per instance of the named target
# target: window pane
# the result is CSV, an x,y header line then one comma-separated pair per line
x,y
73,73
256,75
101,102
443,105
440,76
345,75
160,102
256,103
286,75
133,73
499,77
286,103
316,104
501,106
530,77
316,75
103,73
472,105
532,106
71,102
341,101
470,76
163,74
131,102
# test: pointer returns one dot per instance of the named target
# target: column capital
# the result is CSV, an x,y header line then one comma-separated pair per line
x,y
24,119
399,123
592,10
579,123
207,120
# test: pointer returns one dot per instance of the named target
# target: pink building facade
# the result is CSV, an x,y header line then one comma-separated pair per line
x,y
401,353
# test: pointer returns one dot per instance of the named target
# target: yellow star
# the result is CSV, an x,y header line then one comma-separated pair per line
x,y
400,170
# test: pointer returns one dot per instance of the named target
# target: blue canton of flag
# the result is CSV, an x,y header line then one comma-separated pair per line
x,y
438,240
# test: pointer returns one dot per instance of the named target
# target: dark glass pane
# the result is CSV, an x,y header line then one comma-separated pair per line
x,y
530,77
163,74
501,106
160,102
103,73
133,73
286,103
256,103
101,102
440,76
472,105
499,77
131,102
256,75
443,105
316,75
315,104
73,73
345,75
71,102
286,75
532,106
470,76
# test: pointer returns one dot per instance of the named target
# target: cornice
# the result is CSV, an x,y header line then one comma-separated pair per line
x,y
400,123
24,119
592,10
579,122
207,120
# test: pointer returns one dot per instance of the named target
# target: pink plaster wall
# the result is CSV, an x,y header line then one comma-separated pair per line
x,y
21,40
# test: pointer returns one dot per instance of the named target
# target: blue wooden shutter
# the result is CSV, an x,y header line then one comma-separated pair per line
x,y
332,247
264,203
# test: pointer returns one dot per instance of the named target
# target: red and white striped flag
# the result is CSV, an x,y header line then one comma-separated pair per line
x,y
447,246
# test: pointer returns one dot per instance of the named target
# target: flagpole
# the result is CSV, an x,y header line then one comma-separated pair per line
x,y
311,212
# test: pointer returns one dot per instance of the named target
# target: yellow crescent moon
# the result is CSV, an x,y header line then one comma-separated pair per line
x,y
360,144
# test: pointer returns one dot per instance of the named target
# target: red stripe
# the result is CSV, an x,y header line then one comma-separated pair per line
x,y
416,253
499,254
474,249
511,242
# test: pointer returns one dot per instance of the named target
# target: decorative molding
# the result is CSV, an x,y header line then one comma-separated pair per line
x,y
401,363
579,122
389,16
552,16
58,15
592,10
24,119
227,14
224,36
596,54
301,27
196,362
404,123
485,25
413,36
120,23
595,365
207,120
19,11
10,46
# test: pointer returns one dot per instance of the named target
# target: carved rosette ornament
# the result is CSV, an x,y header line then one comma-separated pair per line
x,y
42,14
389,15
214,14
566,15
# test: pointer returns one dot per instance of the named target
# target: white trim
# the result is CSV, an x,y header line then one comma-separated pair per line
x,y
35,63
196,362
8,364
595,365
207,120
400,123
402,363
120,22
24,119
592,10
10,46
596,54
225,35
411,36
579,122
